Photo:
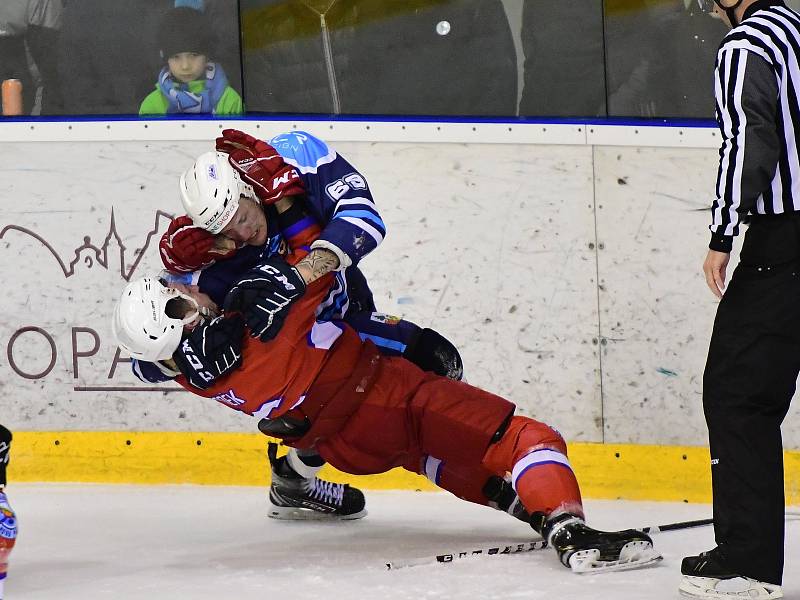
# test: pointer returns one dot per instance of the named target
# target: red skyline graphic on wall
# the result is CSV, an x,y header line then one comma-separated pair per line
x,y
105,256
102,255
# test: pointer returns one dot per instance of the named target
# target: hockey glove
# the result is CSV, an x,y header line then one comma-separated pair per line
x,y
260,165
211,350
264,296
186,247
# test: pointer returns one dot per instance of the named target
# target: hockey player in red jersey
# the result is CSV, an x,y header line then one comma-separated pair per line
x,y
8,520
235,199
317,384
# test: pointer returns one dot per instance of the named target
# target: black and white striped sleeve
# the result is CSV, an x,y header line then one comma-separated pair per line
x,y
746,91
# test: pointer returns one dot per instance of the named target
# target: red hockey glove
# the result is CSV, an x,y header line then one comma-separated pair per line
x,y
260,165
186,247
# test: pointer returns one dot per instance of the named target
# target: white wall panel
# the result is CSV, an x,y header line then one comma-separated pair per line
x,y
488,245
62,261
492,244
655,309
656,312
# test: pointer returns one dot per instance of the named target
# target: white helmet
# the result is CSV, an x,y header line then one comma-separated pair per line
x,y
210,191
141,324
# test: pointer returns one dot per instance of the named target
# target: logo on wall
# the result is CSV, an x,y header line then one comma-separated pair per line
x,y
91,254
111,255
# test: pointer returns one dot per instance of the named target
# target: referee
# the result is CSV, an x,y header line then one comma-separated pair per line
x,y
754,354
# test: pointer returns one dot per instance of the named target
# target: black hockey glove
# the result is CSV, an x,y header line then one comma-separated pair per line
x,y
264,296
211,350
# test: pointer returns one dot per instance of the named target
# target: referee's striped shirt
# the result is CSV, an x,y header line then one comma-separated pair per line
x,y
756,81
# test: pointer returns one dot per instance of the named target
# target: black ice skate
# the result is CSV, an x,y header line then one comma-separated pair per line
x,y
296,498
709,576
587,550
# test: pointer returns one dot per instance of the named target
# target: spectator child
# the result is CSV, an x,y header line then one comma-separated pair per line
x,y
189,83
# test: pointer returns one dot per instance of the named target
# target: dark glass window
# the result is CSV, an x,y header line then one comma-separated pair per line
x,y
660,58
110,55
393,57
562,43
438,58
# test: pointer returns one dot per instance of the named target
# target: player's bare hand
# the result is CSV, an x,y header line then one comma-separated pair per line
x,y
714,269
223,245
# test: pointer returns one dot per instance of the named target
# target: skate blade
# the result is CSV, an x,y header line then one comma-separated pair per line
x,y
296,513
710,588
633,555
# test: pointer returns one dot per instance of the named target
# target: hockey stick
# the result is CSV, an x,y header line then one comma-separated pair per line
x,y
791,515
451,556
515,548
676,526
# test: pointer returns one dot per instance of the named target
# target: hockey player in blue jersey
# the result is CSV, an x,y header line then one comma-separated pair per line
x,y
328,190
234,199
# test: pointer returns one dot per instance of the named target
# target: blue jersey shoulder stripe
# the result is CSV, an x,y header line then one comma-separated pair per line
x,y
362,214
303,151
384,343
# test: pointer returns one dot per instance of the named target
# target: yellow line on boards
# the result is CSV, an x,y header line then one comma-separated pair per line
x,y
629,471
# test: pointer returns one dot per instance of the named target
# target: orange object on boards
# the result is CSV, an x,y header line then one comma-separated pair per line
x,y
12,98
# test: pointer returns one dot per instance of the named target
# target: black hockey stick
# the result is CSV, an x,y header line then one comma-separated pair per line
x,y
676,526
790,516
515,548
447,557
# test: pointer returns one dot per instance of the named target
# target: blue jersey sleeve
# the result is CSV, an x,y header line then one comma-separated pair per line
x,y
338,196
149,372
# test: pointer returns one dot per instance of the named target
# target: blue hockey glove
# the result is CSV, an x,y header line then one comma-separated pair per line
x,y
264,295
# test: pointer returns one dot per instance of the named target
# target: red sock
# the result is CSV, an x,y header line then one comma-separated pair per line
x,y
536,456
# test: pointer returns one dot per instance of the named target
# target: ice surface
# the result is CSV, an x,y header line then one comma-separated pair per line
x,y
92,542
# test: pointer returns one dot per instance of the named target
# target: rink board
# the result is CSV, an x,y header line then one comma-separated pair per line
x,y
625,471
567,274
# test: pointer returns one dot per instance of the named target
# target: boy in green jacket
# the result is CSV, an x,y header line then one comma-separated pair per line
x,y
189,83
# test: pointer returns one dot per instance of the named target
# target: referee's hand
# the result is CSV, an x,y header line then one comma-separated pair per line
x,y
714,269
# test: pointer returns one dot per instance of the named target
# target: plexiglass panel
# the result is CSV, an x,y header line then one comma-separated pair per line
x,y
394,57
563,51
660,58
88,57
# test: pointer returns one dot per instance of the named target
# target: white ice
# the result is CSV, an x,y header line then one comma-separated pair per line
x,y
92,542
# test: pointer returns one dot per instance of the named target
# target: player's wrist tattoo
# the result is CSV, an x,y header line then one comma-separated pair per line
x,y
319,262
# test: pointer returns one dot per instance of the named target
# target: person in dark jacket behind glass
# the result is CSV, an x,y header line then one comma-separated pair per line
x,y
446,57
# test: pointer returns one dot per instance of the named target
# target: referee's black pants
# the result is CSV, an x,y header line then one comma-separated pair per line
x,y
749,380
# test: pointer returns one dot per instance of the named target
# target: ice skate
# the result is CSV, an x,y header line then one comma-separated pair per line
x,y
296,498
708,576
587,550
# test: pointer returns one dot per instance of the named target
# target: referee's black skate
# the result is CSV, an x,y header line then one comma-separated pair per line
x,y
709,576
587,550
293,497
